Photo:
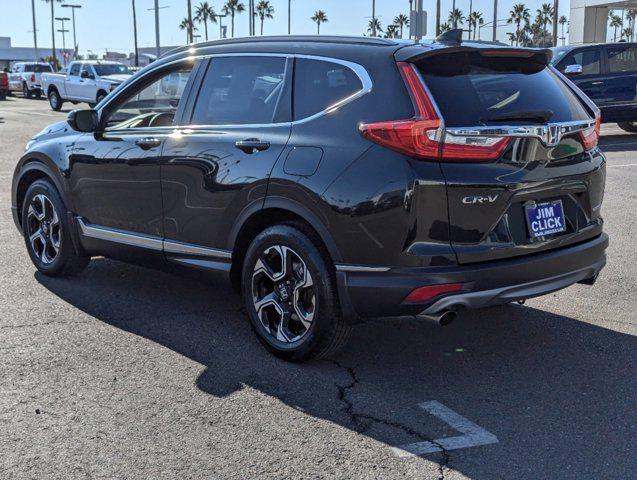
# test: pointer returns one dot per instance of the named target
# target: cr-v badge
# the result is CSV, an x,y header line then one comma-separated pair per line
x,y
473,199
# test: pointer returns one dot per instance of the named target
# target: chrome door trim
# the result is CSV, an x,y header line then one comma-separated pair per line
x,y
149,242
120,236
360,268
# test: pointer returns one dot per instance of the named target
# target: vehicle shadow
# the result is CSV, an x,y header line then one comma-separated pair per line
x,y
618,143
557,392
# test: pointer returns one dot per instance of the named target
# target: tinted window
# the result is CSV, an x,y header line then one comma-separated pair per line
x,y
588,59
37,68
319,85
473,90
622,59
153,105
106,69
75,69
240,91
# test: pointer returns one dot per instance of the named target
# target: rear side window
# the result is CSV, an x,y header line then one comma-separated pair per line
x,y
471,90
320,84
588,59
622,59
240,91
37,68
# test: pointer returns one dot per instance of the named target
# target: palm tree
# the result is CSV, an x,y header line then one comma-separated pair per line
x,y
391,31
374,27
519,13
232,7
264,10
631,15
544,17
204,13
191,32
186,25
512,37
615,22
563,21
55,59
627,32
400,22
135,34
445,27
475,19
319,17
555,20
456,17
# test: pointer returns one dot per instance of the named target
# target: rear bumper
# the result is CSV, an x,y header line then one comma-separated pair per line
x,y
382,293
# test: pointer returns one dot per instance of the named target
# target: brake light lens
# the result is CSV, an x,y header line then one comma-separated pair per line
x,y
422,294
422,136
33,77
590,136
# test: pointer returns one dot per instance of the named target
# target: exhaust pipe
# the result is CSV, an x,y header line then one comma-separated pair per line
x,y
444,317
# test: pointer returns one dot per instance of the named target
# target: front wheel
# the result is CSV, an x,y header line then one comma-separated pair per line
x,y
55,100
630,127
48,232
26,93
289,293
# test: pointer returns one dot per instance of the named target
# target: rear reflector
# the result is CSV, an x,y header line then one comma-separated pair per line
x,y
422,136
422,294
590,136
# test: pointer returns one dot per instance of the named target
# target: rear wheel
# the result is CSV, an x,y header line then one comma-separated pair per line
x,y
26,93
3,94
289,293
48,232
628,126
38,94
55,100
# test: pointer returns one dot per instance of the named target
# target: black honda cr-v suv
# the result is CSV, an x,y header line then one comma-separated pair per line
x,y
334,179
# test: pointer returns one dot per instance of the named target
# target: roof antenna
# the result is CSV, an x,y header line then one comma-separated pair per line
x,y
450,36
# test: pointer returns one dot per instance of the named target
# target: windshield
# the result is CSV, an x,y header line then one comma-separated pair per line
x,y
472,90
109,69
37,68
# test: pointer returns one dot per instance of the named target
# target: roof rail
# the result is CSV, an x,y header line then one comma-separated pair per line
x,y
348,40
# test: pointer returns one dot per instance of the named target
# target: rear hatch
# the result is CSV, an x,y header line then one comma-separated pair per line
x,y
517,145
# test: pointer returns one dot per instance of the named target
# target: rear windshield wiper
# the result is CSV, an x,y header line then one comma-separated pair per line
x,y
540,116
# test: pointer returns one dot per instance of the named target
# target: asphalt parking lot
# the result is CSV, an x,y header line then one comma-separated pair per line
x,y
125,372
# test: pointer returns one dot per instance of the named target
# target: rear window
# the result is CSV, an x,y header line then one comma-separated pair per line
x,y
622,59
37,68
472,90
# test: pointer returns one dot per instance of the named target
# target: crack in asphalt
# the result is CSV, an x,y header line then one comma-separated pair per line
x,y
357,419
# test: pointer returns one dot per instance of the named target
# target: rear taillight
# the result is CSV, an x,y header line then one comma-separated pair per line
x,y
590,136
33,77
422,136
423,294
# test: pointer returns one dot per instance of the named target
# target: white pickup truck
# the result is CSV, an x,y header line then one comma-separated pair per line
x,y
83,81
25,77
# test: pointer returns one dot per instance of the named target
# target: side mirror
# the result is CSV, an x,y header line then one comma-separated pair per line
x,y
574,69
83,120
86,74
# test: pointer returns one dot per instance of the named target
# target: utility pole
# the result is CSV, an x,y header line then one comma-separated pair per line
x,y
55,59
135,34
289,17
157,8
35,32
453,12
495,19
373,18
73,7
63,31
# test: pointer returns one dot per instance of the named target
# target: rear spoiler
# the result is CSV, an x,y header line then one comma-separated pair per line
x,y
416,53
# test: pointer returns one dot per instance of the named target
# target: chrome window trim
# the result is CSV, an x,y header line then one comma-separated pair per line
x,y
359,70
150,242
549,134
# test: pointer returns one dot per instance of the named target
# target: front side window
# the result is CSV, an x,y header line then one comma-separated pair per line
x,y
154,105
588,59
240,91
319,84
75,70
622,59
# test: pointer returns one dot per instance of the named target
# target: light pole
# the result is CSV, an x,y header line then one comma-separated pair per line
x,y
63,31
495,19
35,34
157,8
190,24
373,18
220,17
73,7
289,17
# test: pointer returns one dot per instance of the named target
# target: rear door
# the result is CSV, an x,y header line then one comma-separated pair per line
x,y
220,164
543,187
593,80
622,76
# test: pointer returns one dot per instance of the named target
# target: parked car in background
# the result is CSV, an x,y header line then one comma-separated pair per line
x,y
607,73
334,179
84,81
25,77
4,85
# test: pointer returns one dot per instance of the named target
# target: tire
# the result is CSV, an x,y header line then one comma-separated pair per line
x,y
48,232
630,127
100,96
3,94
307,291
55,100
26,93
38,94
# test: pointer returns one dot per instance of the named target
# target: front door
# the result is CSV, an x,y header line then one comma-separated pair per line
x,y
219,166
592,80
114,174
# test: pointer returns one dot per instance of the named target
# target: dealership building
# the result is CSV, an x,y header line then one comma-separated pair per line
x,y
588,19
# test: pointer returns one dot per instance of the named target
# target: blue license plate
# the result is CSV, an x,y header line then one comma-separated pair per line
x,y
545,219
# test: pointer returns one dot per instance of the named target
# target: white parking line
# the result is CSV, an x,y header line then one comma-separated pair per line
x,y
474,435
624,165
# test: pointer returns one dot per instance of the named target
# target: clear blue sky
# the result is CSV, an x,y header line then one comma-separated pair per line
x,y
103,24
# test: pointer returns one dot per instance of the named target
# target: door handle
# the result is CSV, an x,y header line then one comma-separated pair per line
x,y
597,83
148,143
252,145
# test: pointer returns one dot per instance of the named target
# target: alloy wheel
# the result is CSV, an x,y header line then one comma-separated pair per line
x,y
283,293
44,229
